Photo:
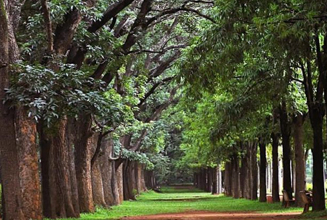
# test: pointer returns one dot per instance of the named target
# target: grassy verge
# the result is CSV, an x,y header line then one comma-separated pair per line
x,y
172,200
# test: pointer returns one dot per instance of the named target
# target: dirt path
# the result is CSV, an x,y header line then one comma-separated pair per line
x,y
206,215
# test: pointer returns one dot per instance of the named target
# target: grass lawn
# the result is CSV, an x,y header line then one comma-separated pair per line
x,y
178,200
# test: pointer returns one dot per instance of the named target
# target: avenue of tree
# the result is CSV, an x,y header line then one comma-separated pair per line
x,y
100,100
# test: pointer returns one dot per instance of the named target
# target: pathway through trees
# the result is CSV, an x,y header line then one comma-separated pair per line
x,y
194,208
206,215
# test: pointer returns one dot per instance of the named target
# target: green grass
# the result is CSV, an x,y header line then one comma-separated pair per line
x,y
172,200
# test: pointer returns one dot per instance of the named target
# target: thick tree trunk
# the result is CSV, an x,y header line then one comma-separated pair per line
x,y
11,200
318,179
286,132
215,180
129,180
204,179
70,137
45,165
107,172
219,179
275,175
235,177
263,166
143,187
97,183
209,179
19,167
117,183
56,171
299,158
28,164
138,176
83,164
254,172
228,179
148,179
120,183
244,173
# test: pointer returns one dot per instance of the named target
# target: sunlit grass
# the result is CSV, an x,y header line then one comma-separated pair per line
x,y
172,200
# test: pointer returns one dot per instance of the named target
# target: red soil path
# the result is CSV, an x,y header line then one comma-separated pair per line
x,y
206,215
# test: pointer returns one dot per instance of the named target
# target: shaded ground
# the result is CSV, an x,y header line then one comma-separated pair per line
x,y
206,215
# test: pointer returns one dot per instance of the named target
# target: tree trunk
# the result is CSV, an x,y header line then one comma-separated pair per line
x,y
275,178
56,171
263,166
235,177
143,187
28,163
318,163
70,138
254,172
215,180
209,179
97,184
244,171
148,179
219,180
45,165
120,183
83,164
107,172
228,179
203,179
299,158
129,180
286,132
19,167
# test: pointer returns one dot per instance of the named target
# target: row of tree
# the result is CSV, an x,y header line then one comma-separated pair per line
x,y
256,78
82,86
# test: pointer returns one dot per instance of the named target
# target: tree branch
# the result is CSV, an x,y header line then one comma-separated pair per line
x,y
153,88
110,13
48,24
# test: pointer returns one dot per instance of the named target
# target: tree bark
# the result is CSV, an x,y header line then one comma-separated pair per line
x,y
57,186
70,138
235,177
263,166
275,178
254,171
209,179
97,183
143,187
120,183
107,172
228,179
129,180
286,132
215,180
299,158
318,162
18,159
83,164
28,163
45,164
